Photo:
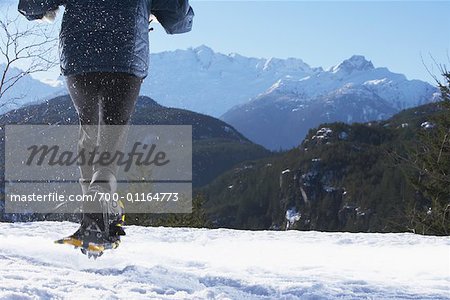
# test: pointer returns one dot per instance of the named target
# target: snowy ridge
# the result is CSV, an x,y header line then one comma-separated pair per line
x,y
197,79
205,81
352,91
356,71
212,83
209,82
169,263
356,62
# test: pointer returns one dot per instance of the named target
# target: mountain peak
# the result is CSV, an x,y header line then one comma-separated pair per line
x,y
274,63
356,62
203,48
205,55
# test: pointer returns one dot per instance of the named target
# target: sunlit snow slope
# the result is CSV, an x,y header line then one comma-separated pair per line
x,y
167,263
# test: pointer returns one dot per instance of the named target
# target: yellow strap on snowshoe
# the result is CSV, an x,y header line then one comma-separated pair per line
x,y
70,241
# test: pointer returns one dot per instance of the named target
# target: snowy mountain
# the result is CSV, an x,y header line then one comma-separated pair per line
x,y
352,91
182,263
212,83
202,80
27,90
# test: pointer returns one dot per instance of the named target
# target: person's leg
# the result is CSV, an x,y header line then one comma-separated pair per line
x,y
84,92
119,94
102,99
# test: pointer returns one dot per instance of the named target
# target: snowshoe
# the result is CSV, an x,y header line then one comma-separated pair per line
x,y
101,228
92,239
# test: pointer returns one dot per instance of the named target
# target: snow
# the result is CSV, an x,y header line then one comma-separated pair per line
x,y
356,62
170,263
203,76
427,125
323,133
292,216
376,81
355,75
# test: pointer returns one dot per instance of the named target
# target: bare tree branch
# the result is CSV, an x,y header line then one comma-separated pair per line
x,y
21,44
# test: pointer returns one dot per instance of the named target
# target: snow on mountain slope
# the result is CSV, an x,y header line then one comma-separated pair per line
x,y
202,80
353,91
205,81
357,71
169,263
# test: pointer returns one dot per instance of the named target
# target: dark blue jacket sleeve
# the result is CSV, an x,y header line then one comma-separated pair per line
x,y
174,15
36,9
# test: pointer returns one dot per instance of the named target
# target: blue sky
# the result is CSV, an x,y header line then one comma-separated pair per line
x,y
394,34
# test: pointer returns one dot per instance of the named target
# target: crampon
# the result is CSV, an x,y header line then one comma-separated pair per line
x,y
101,225
92,239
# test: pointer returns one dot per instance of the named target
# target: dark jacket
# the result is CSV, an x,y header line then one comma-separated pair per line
x,y
109,35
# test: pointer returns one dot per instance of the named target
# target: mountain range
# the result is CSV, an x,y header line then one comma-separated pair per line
x,y
353,91
204,81
271,101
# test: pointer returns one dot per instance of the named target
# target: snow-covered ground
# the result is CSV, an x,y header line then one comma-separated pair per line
x,y
168,263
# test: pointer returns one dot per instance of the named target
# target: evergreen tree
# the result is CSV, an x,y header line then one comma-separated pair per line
x,y
431,213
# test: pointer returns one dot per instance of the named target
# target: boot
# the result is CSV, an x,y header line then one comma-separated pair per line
x,y
108,215
92,237
102,221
